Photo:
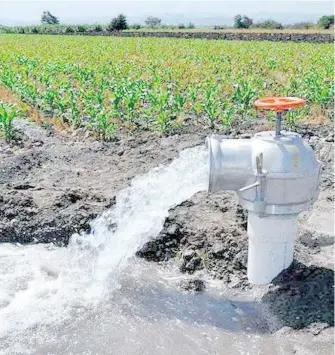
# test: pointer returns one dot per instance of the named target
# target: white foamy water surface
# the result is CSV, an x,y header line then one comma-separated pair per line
x,y
94,297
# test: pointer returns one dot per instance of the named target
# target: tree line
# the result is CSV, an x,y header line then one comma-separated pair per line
x,y
120,23
244,21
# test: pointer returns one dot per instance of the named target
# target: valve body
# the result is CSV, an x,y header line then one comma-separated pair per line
x,y
275,177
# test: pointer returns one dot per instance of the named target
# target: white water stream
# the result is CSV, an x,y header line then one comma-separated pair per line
x,y
93,297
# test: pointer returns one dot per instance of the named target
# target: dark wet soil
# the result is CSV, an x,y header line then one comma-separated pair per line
x,y
52,186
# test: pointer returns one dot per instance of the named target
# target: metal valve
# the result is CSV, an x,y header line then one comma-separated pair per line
x,y
275,176
280,105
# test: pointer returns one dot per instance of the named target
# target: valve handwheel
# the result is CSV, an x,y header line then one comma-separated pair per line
x,y
279,104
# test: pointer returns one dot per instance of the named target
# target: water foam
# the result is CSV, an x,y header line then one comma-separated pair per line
x,y
43,284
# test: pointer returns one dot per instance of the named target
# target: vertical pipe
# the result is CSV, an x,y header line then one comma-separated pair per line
x,y
278,124
271,244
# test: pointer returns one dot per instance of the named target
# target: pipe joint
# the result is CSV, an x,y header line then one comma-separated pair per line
x,y
270,174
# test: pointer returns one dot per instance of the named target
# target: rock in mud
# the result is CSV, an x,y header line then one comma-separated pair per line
x,y
190,261
204,232
195,285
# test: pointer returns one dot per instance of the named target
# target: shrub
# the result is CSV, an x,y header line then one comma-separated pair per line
x,y
34,30
136,26
82,28
181,26
69,29
98,28
216,27
191,25
326,21
20,30
4,29
118,23
269,24
242,21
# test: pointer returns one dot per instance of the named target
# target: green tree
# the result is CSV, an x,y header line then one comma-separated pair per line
x,y
242,21
69,29
98,28
82,28
326,21
48,18
270,24
152,22
118,23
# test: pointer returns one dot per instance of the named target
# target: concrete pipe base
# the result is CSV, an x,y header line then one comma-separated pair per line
x,y
271,244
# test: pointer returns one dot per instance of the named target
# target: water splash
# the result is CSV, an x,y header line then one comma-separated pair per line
x,y
43,284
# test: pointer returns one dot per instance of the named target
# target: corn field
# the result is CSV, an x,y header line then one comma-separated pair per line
x,y
103,84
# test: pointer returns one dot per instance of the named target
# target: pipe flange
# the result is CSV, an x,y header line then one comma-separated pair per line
x,y
270,209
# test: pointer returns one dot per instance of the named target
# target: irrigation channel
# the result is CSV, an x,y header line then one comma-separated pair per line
x,y
95,297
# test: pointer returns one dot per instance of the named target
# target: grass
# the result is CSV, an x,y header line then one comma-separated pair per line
x,y
103,84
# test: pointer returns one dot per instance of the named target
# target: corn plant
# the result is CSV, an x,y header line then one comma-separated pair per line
x,y
228,114
244,94
163,121
211,104
7,115
104,126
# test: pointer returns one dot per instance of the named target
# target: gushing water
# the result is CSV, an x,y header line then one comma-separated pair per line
x,y
43,284
140,212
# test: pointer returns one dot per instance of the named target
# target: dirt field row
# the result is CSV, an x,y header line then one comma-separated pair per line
x,y
235,36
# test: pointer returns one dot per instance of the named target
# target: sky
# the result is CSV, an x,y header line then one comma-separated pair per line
x,y
171,12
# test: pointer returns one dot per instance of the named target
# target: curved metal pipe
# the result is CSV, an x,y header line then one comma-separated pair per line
x,y
230,164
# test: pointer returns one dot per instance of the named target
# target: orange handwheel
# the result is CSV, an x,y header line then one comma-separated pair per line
x,y
279,104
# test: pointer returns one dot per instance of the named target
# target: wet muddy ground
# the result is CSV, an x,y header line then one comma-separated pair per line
x,y
53,186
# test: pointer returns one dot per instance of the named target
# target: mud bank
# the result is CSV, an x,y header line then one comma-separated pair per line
x,y
53,186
